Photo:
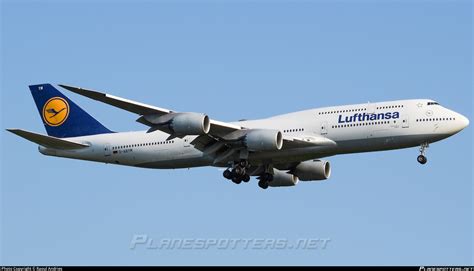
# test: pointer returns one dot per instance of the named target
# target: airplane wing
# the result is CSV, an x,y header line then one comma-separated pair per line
x,y
48,141
218,128
220,133
306,141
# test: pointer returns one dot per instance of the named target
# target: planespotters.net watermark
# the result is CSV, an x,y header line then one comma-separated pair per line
x,y
31,268
143,241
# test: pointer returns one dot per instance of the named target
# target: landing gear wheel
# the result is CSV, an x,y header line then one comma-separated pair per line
x,y
227,174
267,177
263,184
422,159
246,178
238,171
236,180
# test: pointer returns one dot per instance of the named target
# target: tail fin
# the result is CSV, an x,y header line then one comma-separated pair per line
x,y
61,116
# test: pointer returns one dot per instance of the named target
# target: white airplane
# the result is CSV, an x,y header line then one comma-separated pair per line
x,y
280,150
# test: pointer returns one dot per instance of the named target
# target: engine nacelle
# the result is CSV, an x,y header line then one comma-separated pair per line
x,y
281,178
178,123
190,124
263,140
315,170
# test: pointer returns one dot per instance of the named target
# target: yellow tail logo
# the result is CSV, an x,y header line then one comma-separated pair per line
x,y
55,111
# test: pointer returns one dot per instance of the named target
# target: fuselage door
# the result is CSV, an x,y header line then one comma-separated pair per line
x,y
324,128
107,150
371,107
405,122
187,142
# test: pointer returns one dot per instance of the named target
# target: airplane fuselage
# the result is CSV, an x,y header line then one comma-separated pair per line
x,y
354,128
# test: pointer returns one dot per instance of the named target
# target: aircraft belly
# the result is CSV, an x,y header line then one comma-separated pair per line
x,y
176,163
169,159
293,155
386,142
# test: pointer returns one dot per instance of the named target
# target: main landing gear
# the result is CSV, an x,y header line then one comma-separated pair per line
x,y
422,158
238,173
264,180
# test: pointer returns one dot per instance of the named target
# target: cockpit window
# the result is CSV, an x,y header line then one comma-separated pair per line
x,y
433,103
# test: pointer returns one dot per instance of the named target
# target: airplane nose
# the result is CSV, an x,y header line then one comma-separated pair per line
x,y
461,122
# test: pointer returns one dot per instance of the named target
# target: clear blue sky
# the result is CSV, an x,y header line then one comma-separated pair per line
x,y
378,208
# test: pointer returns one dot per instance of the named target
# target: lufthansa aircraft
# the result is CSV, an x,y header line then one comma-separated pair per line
x,y
280,150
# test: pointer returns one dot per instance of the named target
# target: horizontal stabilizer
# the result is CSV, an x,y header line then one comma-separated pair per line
x,y
48,141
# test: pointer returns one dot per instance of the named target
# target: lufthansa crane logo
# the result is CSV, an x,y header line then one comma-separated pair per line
x,y
55,111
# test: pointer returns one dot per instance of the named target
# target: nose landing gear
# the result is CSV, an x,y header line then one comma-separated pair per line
x,y
422,158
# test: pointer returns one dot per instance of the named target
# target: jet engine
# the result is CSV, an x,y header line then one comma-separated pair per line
x,y
190,124
315,170
281,178
263,140
182,123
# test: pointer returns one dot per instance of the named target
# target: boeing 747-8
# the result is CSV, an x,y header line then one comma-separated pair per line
x,y
280,150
